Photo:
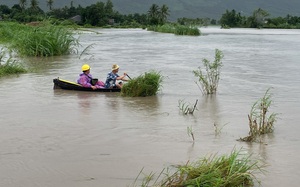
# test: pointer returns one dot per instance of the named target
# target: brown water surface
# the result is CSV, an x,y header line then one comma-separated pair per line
x,y
57,138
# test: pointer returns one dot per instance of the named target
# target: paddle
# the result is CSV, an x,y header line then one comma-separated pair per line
x,y
128,76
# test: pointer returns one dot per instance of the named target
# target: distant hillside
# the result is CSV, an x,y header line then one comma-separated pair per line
x,y
187,8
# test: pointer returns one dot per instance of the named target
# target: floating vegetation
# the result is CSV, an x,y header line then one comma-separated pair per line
x,y
143,85
209,78
260,121
234,170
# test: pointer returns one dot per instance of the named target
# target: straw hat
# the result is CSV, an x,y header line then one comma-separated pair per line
x,y
115,67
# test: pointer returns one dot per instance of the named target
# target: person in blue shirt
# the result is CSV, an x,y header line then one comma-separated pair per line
x,y
113,77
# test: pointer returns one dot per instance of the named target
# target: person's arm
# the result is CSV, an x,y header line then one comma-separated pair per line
x,y
122,77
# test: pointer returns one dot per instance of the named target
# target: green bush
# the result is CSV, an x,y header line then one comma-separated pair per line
x,y
143,85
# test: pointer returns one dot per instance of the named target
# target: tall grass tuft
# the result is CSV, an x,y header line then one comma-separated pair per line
x,y
260,121
40,41
9,66
209,79
234,170
143,85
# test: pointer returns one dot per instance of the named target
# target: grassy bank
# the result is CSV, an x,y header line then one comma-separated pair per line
x,y
41,40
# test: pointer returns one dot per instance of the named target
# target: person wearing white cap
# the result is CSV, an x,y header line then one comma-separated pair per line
x,y
113,77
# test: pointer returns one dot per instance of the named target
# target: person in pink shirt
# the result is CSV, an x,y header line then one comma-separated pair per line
x,y
86,79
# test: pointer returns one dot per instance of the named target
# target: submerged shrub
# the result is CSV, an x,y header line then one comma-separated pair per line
x,y
143,85
209,79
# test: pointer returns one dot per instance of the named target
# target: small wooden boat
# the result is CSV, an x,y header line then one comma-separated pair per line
x,y
68,85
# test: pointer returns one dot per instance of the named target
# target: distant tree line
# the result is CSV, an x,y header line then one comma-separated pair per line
x,y
99,14
258,19
102,14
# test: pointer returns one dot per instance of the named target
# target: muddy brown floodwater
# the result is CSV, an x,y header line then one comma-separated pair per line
x,y
57,138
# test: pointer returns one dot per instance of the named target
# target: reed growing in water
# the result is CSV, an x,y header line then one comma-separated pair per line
x,y
260,121
41,41
147,84
234,170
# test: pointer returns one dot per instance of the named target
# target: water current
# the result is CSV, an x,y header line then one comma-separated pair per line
x,y
57,138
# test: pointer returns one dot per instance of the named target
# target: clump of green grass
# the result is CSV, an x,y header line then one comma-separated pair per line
x,y
166,28
187,30
234,170
176,29
41,41
143,85
260,121
209,78
8,31
9,66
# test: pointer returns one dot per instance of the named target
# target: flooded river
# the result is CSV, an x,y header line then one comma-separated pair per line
x,y
57,138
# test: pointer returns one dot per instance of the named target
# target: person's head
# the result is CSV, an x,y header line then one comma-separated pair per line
x,y
85,68
115,68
